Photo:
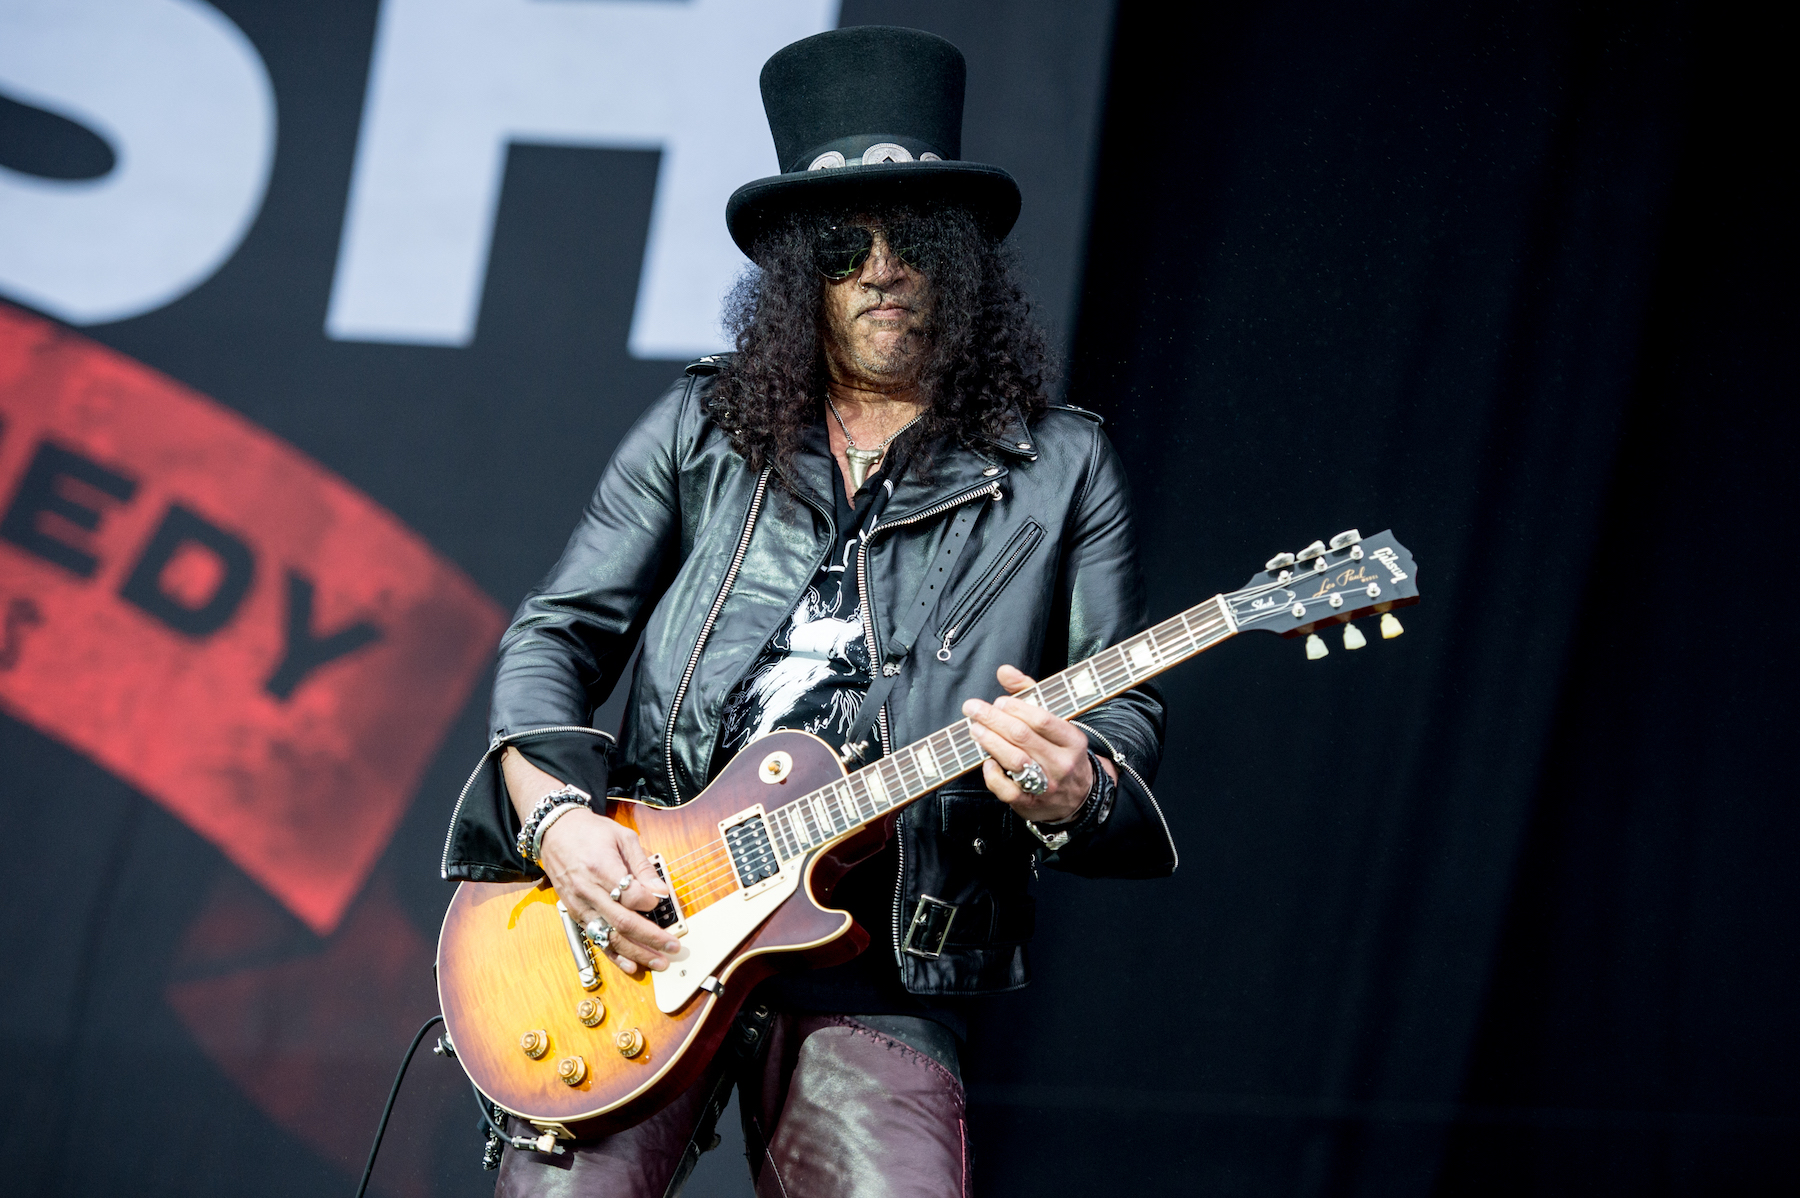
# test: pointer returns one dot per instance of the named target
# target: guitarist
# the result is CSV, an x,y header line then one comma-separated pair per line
x,y
763,531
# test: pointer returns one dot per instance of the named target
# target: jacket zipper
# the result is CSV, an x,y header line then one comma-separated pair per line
x,y
501,742
899,884
1119,760
993,492
712,616
1015,556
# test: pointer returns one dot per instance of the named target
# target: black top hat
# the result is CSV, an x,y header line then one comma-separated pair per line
x,y
868,115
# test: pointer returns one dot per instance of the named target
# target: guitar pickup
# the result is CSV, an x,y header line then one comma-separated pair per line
x,y
667,912
753,858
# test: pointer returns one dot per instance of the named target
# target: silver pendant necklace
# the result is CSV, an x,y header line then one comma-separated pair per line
x,y
864,460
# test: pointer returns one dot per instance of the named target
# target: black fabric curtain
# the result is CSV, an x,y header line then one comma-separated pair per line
x,y
1501,906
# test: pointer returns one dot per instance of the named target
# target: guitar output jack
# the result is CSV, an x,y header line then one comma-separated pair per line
x,y
630,1043
590,1011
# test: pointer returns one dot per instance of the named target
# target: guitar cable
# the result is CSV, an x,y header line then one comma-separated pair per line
x,y
381,1128
495,1131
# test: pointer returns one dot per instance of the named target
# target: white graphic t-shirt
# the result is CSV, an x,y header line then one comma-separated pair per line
x,y
814,672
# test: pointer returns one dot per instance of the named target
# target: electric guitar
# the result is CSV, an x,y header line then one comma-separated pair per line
x,y
549,1030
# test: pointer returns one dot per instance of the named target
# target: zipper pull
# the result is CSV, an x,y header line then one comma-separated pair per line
x,y
943,653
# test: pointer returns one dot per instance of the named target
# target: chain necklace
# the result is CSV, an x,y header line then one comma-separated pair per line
x,y
863,460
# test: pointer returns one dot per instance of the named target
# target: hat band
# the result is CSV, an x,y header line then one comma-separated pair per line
x,y
868,149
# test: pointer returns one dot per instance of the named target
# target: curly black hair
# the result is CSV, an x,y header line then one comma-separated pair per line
x,y
985,353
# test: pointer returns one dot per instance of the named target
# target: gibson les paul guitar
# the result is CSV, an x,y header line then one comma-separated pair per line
x,y
549,1030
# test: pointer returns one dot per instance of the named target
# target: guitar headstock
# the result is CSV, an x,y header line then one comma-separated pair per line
x,y
1298,593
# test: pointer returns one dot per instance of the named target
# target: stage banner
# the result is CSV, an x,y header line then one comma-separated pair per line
x,y
219,620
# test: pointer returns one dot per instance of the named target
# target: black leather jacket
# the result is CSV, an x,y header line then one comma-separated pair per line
x,y
703,558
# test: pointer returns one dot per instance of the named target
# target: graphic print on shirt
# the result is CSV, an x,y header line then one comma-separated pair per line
x,y
815,671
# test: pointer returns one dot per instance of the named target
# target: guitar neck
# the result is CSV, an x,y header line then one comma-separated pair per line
x,y
912,772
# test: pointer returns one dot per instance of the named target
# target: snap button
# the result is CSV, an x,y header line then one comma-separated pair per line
x,y
980,846
1024,445
991,471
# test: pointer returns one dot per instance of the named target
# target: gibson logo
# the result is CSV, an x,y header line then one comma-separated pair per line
x,y
1388,558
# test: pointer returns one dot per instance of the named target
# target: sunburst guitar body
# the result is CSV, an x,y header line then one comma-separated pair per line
x,y
579,1048
551,1031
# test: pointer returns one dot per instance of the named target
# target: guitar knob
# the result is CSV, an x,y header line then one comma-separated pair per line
x,y
590,1011
1390,627
1353,637
572,1071
535,1043
1315,648
630,1043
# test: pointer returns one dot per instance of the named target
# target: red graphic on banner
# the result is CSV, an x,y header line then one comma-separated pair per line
x,y
219,620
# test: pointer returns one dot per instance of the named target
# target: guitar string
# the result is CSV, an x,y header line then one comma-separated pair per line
x,y
720,878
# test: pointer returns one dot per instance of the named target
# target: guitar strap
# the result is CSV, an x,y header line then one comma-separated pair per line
x,y
912,622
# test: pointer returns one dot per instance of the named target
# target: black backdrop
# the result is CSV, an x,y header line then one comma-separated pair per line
x,y
1504,905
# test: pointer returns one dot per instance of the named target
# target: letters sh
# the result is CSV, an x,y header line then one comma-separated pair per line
x,y
185,103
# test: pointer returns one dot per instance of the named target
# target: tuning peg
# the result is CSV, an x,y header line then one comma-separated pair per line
x,y
1315,648
1390,627
1345,539
1311,551
1280,561
1353,637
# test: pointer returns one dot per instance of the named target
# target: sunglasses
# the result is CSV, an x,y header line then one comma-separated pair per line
x,y
839,251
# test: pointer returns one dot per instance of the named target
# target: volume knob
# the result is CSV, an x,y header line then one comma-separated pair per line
x,y
572,1071
590,1011
630,1042
535,1043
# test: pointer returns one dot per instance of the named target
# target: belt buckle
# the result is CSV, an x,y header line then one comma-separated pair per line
x,y
927,928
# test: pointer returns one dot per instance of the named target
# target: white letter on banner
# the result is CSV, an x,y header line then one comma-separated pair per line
x,y
452,82
184,100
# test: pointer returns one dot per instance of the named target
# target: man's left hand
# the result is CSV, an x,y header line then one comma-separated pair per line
x,y
1014,733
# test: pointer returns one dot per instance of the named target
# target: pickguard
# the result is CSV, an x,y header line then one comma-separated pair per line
x,y
713,933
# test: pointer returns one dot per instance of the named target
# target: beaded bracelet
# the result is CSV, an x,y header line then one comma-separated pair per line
x,y
530,834
537,839
1093,810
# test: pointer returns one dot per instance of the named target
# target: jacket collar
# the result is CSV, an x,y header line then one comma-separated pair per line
x,y
811,468
1014,438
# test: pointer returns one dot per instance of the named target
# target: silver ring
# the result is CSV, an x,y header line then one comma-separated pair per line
x,y
620,889
1030,778
600,932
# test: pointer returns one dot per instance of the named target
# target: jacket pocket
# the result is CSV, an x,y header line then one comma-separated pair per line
x,y
987,588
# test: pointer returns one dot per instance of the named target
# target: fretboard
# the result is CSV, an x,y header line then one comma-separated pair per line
x,y
911,772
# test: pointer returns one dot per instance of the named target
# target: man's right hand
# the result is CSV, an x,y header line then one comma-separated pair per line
x,y
585,856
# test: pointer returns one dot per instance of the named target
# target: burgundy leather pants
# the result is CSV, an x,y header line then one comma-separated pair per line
x,y
832,1106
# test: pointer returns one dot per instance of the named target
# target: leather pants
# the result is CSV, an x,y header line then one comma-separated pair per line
x,y
833,1106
